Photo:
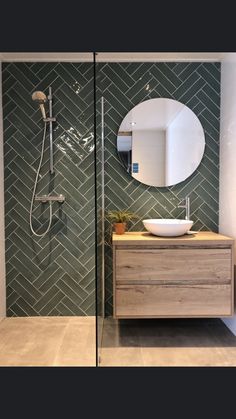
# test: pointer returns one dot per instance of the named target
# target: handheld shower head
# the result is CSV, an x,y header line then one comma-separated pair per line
x,y
40,98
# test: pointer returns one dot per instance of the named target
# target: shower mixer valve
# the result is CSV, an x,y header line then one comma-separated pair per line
x,y
47,198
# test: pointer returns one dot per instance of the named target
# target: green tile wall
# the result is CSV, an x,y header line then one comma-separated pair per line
x,y
54,275
123,86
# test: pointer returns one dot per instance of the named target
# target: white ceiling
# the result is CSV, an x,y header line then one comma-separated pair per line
x,y
113,56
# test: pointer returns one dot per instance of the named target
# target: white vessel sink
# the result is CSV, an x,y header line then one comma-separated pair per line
x,y
167,227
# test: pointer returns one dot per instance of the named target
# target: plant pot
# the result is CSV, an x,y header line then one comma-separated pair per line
x,y
120,228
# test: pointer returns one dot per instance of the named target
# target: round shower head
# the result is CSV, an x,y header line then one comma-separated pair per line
x,y
39,97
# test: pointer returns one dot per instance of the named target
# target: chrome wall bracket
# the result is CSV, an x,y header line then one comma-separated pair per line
x,y
47,198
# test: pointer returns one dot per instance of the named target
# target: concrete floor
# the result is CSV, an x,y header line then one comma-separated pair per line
x,y
70,341
167,342
47,341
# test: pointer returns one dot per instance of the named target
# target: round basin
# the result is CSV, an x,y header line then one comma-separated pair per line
x,y
167,227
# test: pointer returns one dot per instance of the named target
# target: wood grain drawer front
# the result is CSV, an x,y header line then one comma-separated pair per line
x,y
168,301
207,265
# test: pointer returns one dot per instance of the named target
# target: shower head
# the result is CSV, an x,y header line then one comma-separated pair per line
x,y
40,98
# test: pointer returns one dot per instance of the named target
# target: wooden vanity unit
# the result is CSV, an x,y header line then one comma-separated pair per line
x,y
186,276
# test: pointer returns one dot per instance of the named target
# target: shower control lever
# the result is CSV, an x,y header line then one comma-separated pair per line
x,y
47,198
49,119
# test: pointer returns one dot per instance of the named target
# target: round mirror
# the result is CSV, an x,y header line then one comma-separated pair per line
x,y
161,142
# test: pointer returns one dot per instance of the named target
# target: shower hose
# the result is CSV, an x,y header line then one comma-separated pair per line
x,y
34,191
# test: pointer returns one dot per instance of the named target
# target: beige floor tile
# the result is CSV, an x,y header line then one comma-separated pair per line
x,y
32,343
78,347
121,357
186,357
84,320
36,341
168,342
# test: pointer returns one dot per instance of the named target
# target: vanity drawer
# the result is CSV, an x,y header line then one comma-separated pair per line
x,y
172,301
140,266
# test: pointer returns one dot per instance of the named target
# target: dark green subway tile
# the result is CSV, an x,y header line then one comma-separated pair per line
x,y
63,310
211,118
16,71
26,104
213,226
12,298
71,74
44,71
215,96
210,170
140,85
8,82
122,81
191,91
163,79
189,69
169,74
208,127
213,192
18,310
198,108
180,67
9,107
186,85
72,243
46,309
87,281
214,70
69,292
22,291
208,103
211,80
73,96
69,307
88,302
73,284
68,103
52,79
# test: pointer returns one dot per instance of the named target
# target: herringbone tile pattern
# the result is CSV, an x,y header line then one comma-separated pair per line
x,y
123,86
54,275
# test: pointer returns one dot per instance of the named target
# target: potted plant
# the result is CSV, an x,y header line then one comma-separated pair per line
x,y
120,219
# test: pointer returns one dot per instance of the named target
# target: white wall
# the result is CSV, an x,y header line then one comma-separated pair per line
x,y
2,228
184,146
148,150
227,200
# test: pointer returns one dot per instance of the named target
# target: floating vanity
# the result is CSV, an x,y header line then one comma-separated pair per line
x,y
186,276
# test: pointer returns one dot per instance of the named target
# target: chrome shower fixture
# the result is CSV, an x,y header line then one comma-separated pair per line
x,y
40,98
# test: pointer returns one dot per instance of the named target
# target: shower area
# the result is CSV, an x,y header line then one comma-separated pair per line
x,y
60,174
53,134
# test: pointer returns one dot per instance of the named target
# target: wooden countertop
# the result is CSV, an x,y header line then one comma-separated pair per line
x,y
144,237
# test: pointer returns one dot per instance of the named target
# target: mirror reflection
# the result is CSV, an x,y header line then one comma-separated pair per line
x,y
161,142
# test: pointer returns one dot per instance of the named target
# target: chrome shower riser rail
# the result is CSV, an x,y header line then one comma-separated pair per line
x,y
50,119
47,198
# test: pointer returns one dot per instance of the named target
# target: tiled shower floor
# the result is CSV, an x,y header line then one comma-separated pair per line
x,y
47,341
167,342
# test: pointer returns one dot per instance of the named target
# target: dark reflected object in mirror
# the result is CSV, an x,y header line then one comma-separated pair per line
x,y
161,142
